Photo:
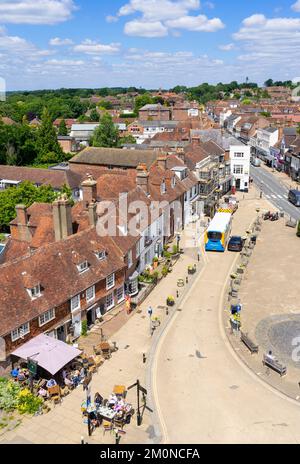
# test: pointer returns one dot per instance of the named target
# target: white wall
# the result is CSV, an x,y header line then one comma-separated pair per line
x,y
240,165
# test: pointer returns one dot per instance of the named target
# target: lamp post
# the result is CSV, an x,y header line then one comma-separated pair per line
x,y
178,238
150,312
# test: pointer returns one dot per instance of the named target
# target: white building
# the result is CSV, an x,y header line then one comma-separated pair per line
x,y
264,140
240,166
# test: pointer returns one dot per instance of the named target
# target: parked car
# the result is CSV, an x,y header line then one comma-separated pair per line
x,y
294,197
255,162
236,243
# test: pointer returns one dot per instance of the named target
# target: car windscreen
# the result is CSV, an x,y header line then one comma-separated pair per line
x,y
214,236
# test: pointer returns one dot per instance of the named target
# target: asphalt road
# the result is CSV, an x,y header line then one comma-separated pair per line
x,y
204,392
275,191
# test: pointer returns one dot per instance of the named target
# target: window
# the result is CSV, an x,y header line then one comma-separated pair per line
x,y
137,251
83,267
129,259
110,281
133,287
120,294
238,169
239,155
46,317
20,332
110,301
75,303
163,188
35,292
90,293
173,182
100,255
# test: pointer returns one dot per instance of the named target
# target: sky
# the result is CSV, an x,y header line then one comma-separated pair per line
x,y
48,44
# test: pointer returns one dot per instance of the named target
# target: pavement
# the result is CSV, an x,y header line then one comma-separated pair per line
x,y
275,187
64,423
204,392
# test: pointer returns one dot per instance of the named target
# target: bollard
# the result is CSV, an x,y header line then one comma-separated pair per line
x,y
187,280
144,358
177,294
167,311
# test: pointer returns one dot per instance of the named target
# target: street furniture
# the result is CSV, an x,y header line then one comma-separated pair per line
x,y
120,390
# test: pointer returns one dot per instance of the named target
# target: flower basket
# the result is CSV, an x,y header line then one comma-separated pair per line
x,y
191,270
170,301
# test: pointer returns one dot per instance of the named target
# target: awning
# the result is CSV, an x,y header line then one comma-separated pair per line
x,y
50,354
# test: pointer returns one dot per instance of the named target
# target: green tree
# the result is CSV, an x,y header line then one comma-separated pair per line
x,y
47,144
27,194
94,116
106,135
126,139
62,129
269,83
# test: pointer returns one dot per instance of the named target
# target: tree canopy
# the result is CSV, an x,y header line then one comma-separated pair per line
x,y
106,134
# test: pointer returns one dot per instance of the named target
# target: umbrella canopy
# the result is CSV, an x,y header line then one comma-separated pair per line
x,y
50,354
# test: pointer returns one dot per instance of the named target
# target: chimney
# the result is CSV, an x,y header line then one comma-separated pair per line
x,y
93,214
180,154
23,225
89,191
62,218
142,179
162,162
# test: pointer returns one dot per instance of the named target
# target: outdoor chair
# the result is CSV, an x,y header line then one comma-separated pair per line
x,y
55,394
107,426
119,423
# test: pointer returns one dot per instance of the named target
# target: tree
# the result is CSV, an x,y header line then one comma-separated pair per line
x,y
269,83
62,129
47,141
94,116
26,193
106,135
127,139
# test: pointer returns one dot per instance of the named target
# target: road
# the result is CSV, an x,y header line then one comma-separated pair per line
x,y
204,393
275,191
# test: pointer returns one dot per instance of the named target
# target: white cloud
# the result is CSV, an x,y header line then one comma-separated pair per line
x,y
64,63
270,46
111,19
145,29
296,6
57,42
196,23
36,11
226,47
159,17
93,48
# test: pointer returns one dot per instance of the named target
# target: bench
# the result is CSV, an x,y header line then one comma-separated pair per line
x,y
275,365
249,343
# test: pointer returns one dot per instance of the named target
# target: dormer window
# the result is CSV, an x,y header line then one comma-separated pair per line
x,y
100,255
82,267
35,292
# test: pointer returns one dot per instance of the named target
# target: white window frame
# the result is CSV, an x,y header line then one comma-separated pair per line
x,y
75,298
101,255
16,333
111,295
120,297
83,267
93,291
137,250
46,317
110,281
35,292
239,155
238,169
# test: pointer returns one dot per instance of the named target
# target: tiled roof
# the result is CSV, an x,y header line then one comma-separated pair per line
x,y
114,157
52,266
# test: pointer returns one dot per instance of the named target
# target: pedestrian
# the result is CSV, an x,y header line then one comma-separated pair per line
x,y
98,400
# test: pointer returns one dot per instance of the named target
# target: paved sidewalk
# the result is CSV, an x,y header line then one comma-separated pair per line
x,y
64,424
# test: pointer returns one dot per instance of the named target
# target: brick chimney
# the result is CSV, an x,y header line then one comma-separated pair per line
x,y
162,162
180,154
23,224
89,191
62,218
142,178
93,213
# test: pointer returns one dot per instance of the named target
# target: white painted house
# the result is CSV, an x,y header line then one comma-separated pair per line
x,y
240,166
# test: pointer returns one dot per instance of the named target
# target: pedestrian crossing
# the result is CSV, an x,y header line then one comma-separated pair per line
x,y
275,197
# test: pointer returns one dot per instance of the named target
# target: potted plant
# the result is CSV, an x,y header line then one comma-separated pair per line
x,y
165,271
155,262
191,269
170,301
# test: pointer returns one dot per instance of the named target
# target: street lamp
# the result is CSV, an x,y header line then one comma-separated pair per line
x,y
178,237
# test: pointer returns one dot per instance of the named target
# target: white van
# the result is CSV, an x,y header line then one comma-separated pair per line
x,y
255,162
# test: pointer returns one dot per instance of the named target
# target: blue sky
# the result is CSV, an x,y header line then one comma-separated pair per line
x,y
148,43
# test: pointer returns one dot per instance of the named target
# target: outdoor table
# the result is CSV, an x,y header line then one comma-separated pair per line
x,y
106,413
119,390
104,346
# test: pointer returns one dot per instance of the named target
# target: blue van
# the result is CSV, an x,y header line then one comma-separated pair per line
x,y
294,197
